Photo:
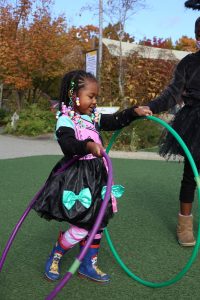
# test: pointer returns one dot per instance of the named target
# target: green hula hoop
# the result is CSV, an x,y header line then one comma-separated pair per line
x,y
196,247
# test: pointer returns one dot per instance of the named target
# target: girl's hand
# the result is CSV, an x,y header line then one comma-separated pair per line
x,y
95,149
143,111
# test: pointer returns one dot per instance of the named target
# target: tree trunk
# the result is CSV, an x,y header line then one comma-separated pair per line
x,y
34,100
121,67
121,77
1,94
29,96
19,99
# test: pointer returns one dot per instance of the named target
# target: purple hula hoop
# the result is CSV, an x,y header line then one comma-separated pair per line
x,y
94,230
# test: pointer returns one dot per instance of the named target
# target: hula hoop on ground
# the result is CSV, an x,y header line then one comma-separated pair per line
x,y
196,247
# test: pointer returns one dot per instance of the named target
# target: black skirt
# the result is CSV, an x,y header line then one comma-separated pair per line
x,y
82,174
187,124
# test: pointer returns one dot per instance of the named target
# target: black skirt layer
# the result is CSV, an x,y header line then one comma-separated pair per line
x,y
187,124
82,174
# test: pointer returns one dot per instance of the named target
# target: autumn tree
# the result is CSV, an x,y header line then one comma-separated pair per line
x,y
46,50
112,32
145,78
109,80
186,44
119,12
81,39
36,49
32,46
157,43
12,33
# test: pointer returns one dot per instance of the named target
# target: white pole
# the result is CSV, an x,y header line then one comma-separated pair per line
x,y
100,38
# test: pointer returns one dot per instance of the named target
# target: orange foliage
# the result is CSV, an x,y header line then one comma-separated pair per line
x,y
144,79
113,31
157,43
29,51
36,49
41,49
186,44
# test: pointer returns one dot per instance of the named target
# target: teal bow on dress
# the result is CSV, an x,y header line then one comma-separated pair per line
x,y
116,190
69,198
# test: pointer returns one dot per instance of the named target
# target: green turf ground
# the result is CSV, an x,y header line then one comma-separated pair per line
x,y
143,232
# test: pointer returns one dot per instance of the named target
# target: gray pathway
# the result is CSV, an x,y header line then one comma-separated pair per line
x,y
13,147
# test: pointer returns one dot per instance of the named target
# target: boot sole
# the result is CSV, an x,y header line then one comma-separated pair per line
x,y
187,244
91,279
49,279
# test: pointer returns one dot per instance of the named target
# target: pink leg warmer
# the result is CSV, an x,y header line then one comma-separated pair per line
x,y
73,236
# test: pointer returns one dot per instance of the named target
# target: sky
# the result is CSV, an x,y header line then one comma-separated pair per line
x,y
160,18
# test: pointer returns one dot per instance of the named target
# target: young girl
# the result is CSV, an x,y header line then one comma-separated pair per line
x,y
75,195
185,86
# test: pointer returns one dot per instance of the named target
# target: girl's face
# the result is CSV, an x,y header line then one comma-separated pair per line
x,y
87,97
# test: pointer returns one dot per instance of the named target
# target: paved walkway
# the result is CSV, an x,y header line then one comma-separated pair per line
x,y
13,147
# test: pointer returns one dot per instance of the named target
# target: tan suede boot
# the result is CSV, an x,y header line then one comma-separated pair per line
x,y
185,231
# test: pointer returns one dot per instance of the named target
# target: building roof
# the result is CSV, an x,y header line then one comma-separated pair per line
x,y
143,51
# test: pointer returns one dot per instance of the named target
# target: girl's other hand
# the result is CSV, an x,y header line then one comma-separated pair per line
x,y
95,149
143,111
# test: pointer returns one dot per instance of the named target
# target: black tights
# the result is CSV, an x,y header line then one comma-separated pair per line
x,y
188,183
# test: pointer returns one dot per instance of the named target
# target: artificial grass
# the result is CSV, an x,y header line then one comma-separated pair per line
x,y
143,232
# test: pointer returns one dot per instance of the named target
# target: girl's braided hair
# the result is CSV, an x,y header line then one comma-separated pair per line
x,y
76,79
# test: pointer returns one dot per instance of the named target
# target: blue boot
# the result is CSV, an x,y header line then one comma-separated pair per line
x,y
89,269
52,267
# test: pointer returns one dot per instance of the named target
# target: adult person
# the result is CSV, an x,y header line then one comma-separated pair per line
x,y
185,85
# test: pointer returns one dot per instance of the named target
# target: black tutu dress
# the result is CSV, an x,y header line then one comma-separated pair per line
x,y
186,123
82,174
75,195
184,88
86,175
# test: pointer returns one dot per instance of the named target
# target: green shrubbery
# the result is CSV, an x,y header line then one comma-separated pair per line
x,y
147,134
140,135
33,122
3,116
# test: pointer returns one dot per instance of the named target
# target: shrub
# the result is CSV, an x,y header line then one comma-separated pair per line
x,y
141,134
122,142
32,122
3,116
148,133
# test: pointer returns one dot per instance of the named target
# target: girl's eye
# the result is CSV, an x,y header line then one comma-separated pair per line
x,y
93,96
